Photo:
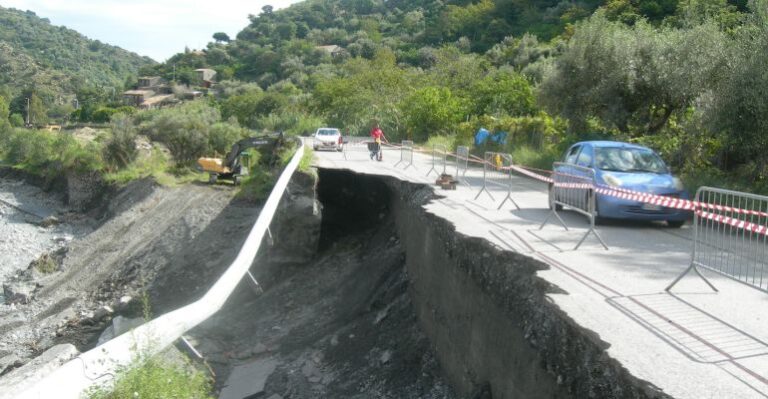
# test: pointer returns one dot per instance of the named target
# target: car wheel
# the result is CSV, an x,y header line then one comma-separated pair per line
x,y
552,204
212,178
675,223
315,148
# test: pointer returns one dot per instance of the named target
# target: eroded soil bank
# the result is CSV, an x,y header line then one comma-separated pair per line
x,y
340,325
362,294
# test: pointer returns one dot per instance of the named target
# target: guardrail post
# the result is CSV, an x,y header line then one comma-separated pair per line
x,y
462,156
402,153
507,164
486,163
591,206
438,149
406,154
574,187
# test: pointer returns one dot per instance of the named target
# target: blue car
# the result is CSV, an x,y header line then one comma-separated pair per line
x,y
632,167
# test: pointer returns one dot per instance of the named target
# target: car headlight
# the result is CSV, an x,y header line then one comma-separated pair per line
x,y
678,184
612,181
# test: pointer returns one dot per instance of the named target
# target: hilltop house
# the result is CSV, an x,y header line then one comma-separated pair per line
x,y
333,50
151,92
205,77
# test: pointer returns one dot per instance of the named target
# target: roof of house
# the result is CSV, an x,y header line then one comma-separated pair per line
x,y
138,93
330,48
156,99
204,70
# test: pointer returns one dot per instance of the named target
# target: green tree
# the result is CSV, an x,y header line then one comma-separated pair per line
x,y
632,78
502,92
739,109
16,120
5,124
221,37
37,112
431,111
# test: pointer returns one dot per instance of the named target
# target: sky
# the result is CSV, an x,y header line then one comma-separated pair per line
x,y
155,28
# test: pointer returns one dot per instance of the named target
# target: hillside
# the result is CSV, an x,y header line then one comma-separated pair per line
x,y
54,61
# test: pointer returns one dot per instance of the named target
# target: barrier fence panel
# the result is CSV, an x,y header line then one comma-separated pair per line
x,y
487,166
406,154
497,171
730,237
573,187
506,167
355,144
462,163
439,155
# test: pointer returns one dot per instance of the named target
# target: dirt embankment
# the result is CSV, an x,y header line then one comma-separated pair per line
x,y
337,322
339,326
141,234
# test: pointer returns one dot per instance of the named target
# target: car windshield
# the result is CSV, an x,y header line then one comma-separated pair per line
x,y
624,159
327,132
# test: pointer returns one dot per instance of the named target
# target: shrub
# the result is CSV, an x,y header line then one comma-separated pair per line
x,y
223,134
16,120
190,131
120,147
447,141
152,378
154,165
51,154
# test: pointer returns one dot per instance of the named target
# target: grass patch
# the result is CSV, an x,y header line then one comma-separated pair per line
x,y
306,160
159,167
257,186
528,156
448,142
45,264
153,378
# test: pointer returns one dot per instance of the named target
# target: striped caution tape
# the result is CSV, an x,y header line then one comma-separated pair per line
x,y
654,199
741,224
528,173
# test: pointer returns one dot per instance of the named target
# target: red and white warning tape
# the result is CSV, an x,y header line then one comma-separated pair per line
x,y
740,224
654,199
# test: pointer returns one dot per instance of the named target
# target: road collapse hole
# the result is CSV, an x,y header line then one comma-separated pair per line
x,y
352,204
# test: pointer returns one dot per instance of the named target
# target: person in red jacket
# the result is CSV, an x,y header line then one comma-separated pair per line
x,y
377,135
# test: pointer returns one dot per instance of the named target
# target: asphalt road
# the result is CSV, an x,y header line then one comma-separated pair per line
x,y
692,343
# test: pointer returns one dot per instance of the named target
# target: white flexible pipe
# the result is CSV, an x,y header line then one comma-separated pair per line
x,y
99,364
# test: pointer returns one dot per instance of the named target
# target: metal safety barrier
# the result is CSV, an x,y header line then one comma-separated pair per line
x,y
462,164
98,365
439,159
354,145
573,188
406,154
730,237
497,170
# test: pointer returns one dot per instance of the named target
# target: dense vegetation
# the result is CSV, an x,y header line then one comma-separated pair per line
x,y
665,73
671,74
53,65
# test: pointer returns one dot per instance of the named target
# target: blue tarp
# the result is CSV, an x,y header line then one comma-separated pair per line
x,y
483,135
499,138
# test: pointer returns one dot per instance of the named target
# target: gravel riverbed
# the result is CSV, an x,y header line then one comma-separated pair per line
x,y
23,237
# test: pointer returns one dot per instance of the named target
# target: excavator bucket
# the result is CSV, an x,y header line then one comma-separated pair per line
x,y
213,165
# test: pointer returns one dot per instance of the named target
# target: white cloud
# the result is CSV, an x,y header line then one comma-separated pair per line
x,y
157,28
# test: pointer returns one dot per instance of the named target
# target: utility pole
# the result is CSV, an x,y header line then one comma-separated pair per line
x,y
174,73
27,124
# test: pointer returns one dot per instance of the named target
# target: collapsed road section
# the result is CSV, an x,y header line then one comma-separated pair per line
x,y
378,298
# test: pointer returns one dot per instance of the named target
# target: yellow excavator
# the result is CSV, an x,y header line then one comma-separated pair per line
x,y
237,162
